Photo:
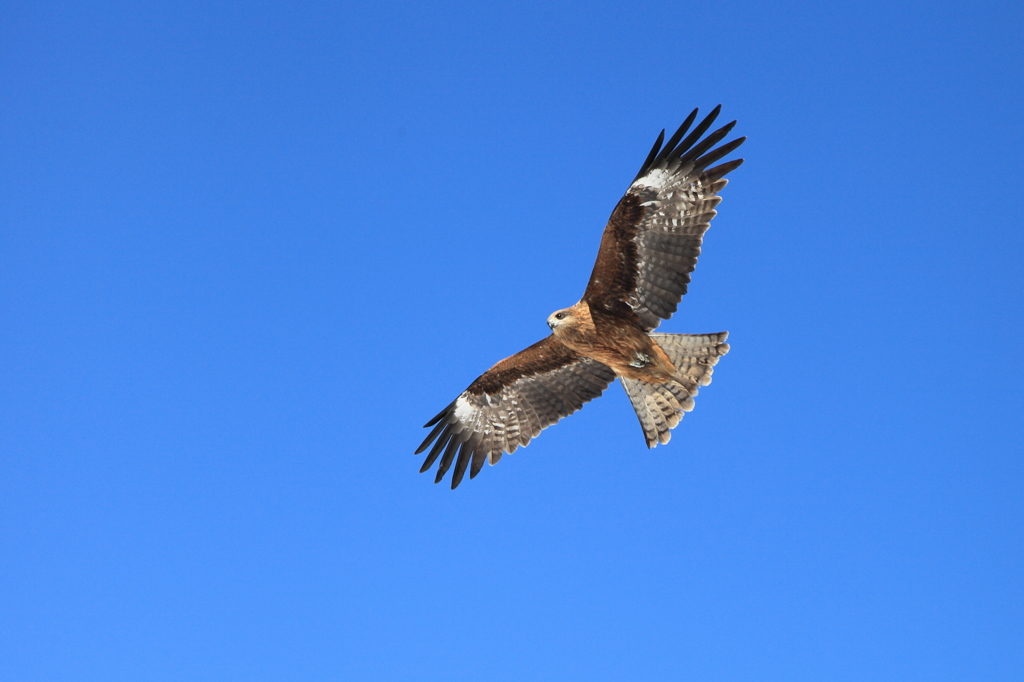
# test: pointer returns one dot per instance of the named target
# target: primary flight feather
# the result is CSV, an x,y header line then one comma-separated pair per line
x,y
648,250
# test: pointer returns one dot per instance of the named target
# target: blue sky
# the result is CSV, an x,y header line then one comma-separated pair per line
x,y
248,249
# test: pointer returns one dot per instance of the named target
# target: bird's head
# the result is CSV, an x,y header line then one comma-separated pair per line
x,y
560,317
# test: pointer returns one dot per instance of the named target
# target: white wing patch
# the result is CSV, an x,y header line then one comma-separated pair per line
x,y
464,412
655,179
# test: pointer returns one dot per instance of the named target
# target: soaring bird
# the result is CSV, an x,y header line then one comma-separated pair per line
x,y
648,250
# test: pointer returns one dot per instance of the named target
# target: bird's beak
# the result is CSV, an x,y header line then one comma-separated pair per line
x,y
551,324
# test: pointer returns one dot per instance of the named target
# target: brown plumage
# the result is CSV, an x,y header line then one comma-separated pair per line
x,y
648,251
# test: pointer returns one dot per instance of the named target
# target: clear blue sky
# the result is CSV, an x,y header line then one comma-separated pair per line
x,y
248,249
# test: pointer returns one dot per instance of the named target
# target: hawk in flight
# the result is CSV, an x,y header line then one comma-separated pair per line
x,y
648,250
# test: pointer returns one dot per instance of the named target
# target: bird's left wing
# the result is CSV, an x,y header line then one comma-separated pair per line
x,y
511,403
653,238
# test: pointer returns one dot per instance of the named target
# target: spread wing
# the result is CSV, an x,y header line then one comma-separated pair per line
x,y
653,238
511,403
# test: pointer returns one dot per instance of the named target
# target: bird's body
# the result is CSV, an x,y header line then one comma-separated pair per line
x,y
648,250
612,340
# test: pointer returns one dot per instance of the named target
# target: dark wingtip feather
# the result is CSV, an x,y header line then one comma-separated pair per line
x,y
715,154
430,438
704,125
707,143
439,415
650,157
436,450
701,128
722,170
713,114
479,457
674,140
446,459
460,466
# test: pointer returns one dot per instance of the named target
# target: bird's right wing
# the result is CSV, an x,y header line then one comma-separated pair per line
x,y
511,403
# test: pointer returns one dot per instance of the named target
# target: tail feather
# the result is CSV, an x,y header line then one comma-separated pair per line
x,y
660,407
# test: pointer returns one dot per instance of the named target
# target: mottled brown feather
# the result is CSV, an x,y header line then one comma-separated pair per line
x,y
543,356
617,261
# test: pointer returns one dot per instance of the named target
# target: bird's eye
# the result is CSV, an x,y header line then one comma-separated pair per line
x,y
559,316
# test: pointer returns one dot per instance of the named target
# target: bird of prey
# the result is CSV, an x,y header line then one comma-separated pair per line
x,y
648,250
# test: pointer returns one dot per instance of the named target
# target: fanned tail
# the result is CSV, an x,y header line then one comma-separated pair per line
x,y
660,407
